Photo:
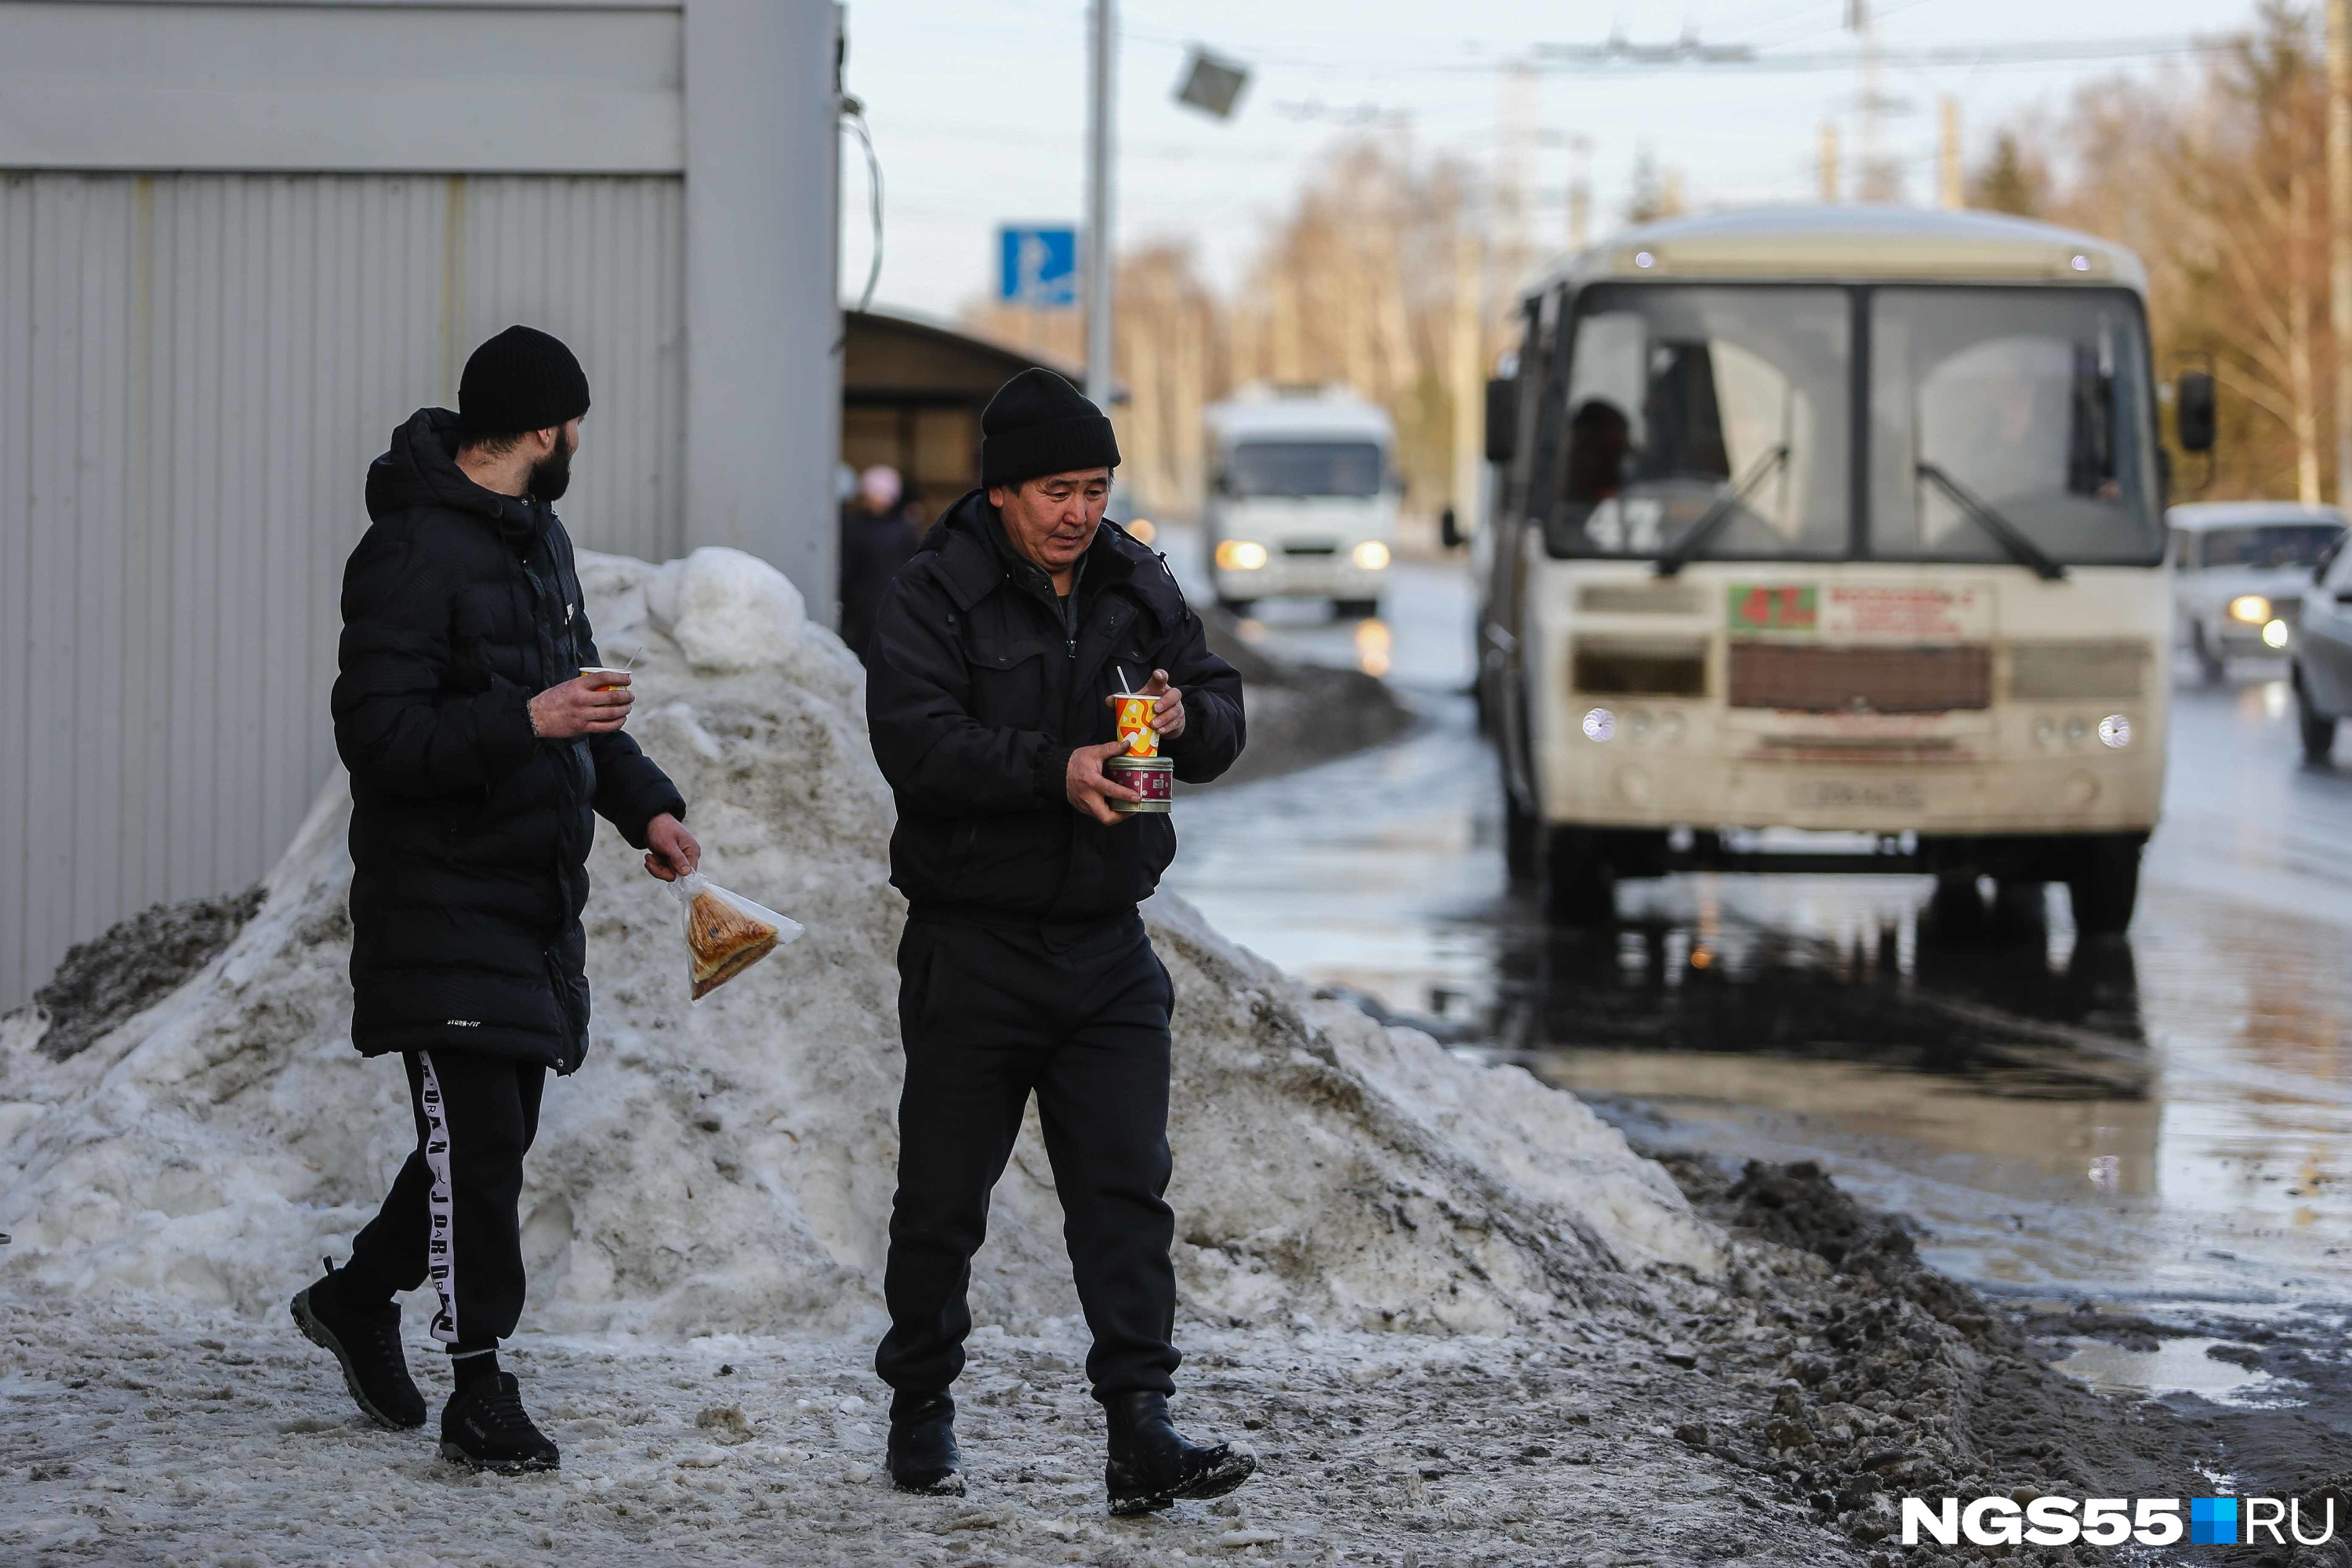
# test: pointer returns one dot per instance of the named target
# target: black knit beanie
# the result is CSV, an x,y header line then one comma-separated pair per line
x,y
520,380
1039,424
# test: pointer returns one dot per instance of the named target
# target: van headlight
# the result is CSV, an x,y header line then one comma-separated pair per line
x,y
2250,608
1600,724
2114,731
1372,555
1240,554
2275,633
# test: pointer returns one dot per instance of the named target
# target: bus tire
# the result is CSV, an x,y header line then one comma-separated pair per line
x,y
2316,729
1580,887
1356,609
1522,841
2104,885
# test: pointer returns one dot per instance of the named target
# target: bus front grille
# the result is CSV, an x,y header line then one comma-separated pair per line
x,y
1793,678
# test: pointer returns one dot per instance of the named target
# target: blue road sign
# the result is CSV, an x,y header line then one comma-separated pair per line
x,y
1037,266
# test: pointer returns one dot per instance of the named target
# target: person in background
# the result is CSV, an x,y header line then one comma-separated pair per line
x,y
479,758
877,539
1025,967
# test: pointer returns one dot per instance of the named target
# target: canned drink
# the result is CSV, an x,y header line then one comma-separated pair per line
x,y
1135,713
1153,778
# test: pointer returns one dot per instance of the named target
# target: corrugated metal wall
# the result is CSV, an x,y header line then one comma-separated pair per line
x,y
195,373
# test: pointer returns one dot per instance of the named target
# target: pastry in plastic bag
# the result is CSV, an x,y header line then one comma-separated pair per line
x,y
726,933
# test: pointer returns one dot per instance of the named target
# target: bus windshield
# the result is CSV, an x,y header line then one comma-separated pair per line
x,y
1301,468
2030,404
1726,404
1712,422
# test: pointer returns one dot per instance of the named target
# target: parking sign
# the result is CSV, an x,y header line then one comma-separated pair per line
x,y
1037,266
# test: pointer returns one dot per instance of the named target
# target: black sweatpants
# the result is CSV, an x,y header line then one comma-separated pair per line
x,y
451,1214
989,1014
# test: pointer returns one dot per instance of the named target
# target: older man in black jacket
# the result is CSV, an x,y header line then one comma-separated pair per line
x,y
1025,966
478,754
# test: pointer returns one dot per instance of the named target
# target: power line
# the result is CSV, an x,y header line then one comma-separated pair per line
x,y
1617,56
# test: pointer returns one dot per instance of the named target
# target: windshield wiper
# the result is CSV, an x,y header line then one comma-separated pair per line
x,y
2007,534
1718,512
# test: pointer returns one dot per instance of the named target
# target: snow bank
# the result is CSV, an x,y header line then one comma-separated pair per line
x,y
728,1166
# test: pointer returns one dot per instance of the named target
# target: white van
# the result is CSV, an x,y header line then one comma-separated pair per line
x,y
1833,540
1302,498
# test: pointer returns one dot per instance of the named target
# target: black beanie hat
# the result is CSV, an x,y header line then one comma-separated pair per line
x,y
520,380
1039,424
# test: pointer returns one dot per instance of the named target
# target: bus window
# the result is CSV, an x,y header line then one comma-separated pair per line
x,y
2032,403
1680,396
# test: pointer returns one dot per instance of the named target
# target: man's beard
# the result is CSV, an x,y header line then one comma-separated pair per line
x,y
552,475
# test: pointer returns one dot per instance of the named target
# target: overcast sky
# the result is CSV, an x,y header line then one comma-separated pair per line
x,y
978,107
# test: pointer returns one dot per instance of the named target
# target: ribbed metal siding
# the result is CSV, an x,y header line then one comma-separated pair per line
x,y
195,373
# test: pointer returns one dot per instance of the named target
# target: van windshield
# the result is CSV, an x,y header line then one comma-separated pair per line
x,y
1721,404
2268,546
1298,469
2032,403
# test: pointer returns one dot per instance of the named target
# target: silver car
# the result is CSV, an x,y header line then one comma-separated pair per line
x,y
2241,572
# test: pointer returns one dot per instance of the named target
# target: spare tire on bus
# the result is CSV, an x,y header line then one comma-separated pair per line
x,y
2104,883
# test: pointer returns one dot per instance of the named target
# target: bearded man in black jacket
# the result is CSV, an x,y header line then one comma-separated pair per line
x,y
479,755
1025,967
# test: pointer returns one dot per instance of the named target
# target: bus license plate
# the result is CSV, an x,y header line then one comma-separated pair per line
x,y
1865,794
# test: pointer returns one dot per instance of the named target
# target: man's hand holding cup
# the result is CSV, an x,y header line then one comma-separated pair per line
x,y
595,703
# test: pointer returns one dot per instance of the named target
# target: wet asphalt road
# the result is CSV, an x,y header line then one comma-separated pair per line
x,y
2159,1124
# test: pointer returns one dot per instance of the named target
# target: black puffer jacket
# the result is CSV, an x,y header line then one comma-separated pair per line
x,y
469,835
976,693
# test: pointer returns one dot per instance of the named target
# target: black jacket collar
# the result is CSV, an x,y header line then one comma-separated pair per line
x,y
421,470
974,560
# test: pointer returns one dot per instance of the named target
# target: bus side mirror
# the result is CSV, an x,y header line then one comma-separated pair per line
x,y
1502,419
2194,421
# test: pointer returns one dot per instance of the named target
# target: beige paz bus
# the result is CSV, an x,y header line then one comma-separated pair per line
x,y
1831,539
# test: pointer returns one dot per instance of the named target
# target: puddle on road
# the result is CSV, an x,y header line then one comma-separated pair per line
x,y
2180,1367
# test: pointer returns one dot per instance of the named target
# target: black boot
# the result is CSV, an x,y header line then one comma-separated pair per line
x,y
484,1425
923,1457
1152,1465
366,1341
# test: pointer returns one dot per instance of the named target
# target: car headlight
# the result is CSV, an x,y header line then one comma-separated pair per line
x,y
2250,608
1240,554
2275,633
1372,555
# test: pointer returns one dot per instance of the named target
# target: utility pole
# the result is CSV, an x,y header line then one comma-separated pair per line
x,y
1950,189
1098,182
1878,180
1465,366
1829,163
2339,231
1580,193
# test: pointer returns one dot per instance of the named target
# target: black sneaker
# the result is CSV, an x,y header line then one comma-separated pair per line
x,y
922,1455
1153,1464
484,1425
366,1343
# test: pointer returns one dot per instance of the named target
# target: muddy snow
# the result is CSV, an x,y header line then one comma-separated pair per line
x,y
1460,1319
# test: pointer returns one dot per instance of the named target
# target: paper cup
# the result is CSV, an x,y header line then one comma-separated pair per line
x,y
1135,713
592,670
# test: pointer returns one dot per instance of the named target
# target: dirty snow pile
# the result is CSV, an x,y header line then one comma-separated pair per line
x,y
727,1167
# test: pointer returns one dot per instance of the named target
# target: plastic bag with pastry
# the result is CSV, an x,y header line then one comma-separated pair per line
x,y
726,933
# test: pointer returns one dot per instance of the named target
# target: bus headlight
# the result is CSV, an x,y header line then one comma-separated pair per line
x,y
1600,724
2114,731
2275,633
2250,608
1240,554
1372,555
